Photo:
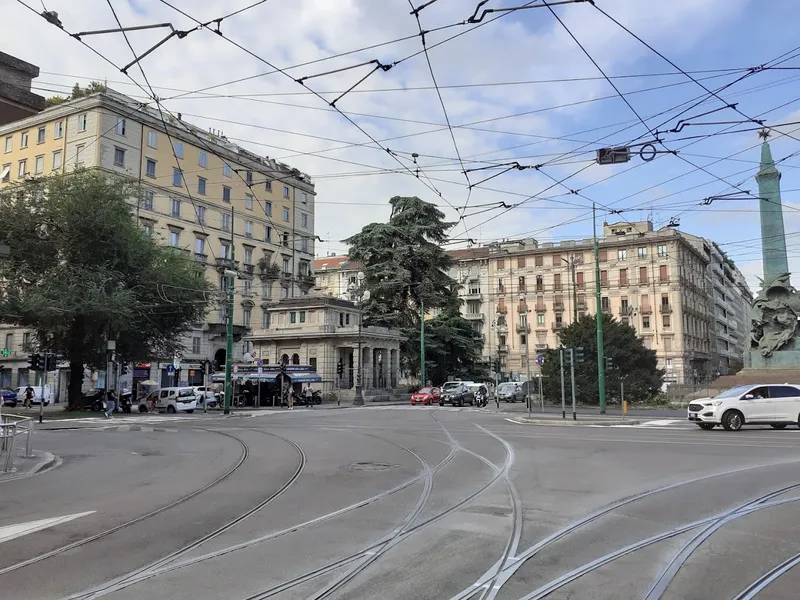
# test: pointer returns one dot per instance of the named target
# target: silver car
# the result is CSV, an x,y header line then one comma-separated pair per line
x,y
510,392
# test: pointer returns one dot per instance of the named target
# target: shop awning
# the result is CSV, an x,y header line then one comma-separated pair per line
x,y
269,376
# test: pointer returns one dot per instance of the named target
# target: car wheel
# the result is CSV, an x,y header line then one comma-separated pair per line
x,y
171,409
779,425
212,405
12,404
441,403
96,406
706,426
142,408
190,411
732,420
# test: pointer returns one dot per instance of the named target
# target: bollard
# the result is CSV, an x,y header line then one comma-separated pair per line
x,y
28,453
10,446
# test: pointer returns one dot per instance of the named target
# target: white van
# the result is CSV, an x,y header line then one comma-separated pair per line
x,y
176,399
37,394
777,405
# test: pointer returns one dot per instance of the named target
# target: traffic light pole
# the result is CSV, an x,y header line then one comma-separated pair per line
x,y
572,381
226,406
601,375
44,390
561,369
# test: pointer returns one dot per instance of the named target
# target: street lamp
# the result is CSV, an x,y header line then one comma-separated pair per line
x,y
359,294
524,303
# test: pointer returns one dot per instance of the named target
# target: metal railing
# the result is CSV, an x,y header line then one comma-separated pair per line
x,y
10,427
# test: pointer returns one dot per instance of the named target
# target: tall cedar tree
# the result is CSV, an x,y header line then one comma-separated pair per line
x,y
406,269
82,271
631,363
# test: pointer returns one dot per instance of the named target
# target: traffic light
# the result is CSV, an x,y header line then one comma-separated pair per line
x,y
496,365
35,362
124,369
51,362
579,354
609,363
340,368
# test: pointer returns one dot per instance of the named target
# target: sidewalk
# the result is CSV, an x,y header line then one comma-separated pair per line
x,y
557,420
26,467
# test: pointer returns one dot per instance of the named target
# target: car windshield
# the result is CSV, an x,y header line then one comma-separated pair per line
x,y
506,387
735,391
185,393
425,390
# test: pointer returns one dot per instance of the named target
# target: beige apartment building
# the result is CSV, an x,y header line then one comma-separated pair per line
x,y
201,194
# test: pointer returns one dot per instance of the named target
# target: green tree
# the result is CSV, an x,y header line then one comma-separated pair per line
x,y
631,362
407,270
82,271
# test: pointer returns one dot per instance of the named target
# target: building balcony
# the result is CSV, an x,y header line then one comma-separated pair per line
x,y
267,271
502,348
249,269
581,305
557,326
541,308
606,310
306,282
286,276
201,258
558,287
644,281
226,263
624,311
523,328
471,295
665,308
623,283
539,288
522,308
502,328
645,310
474,316
502,310
540,347
558,306
581,285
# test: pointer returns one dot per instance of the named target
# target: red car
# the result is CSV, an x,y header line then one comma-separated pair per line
x,y
426,395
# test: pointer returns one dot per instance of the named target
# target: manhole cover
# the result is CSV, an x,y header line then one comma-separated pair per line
x,y
370,466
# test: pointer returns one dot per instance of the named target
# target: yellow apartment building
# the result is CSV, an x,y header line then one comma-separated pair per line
x,y
200,193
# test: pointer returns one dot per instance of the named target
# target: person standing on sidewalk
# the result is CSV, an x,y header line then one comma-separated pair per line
x,y
111,404
290,398
309,395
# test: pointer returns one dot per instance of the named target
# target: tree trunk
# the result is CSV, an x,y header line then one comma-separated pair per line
x,y
75,385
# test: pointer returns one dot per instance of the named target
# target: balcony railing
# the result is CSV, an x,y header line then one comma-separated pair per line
x,y
541,308
474,316
249,269
558,326
540,347
502,348
645,310
201,258
665,308
606,310
624,311
523,328
502,310
558,306
581,305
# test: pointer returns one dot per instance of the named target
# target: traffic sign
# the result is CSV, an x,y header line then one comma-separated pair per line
x,y
260,370
235,369
170,369
260,363
176,362
6,351
540,359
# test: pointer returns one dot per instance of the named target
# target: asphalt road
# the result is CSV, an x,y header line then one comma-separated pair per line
x,y
404,503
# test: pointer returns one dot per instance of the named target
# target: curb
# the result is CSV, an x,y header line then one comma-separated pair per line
x,y
48,462
571,423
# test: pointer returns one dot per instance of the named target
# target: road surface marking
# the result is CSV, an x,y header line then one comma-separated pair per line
x,y
10,532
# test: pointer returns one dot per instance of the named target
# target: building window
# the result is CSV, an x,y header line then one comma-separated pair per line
x,y
176,207
224,251
603,277
23,168
152,141
119,157
5,172
268,186
286,191
302,316
201,214
174,238
41,135
265,320
177,148
642,274
604,305
246,313
248,201
662,250
501,264
286,266
147,200
9,341
120,129
58,129
304,244
303,220
248,177
521,283
78,152
226,221
23,139
267,233
539,283
284,293
266,290
557,281
248,256
195,345
82,119
201,185
645,321
668,347
26,341
292,317
285,214
268,208
38,165
200,245
641,252
203,159
665,320
540,318
57,159
226,170
623,276
285,239
9,143
622,254
147,227
521,262
150,168
663,273
226,194
248,229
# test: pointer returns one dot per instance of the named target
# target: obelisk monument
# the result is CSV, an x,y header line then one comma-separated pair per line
x,y
773,237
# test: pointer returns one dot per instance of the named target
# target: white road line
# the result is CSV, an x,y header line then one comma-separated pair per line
x,y
10,532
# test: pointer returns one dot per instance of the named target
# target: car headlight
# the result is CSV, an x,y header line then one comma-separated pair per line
x,y
716,403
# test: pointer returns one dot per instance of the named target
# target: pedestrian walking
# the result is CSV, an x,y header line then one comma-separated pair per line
x,y
111,404
309,395
28,401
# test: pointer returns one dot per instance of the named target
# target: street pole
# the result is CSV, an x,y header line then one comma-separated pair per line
x,y
572,381
574,292
206,367
622,397
541,394
527,351
44,390
563,399
601,375
422,341
226,410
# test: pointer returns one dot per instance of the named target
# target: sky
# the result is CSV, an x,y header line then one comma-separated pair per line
x,y
540,88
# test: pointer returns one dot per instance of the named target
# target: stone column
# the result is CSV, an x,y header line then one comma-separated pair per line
x,y
773,238
387,381
366,374
394,360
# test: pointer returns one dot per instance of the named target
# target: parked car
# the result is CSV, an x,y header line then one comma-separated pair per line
x,y
37,394
176,399
510,392
9,396
777,405
426,395
449,385
94,399
457,395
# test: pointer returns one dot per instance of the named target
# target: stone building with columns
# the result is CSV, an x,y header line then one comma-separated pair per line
x,y
321,331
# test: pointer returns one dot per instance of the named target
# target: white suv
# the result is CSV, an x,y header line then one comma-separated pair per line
x,y
777,405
